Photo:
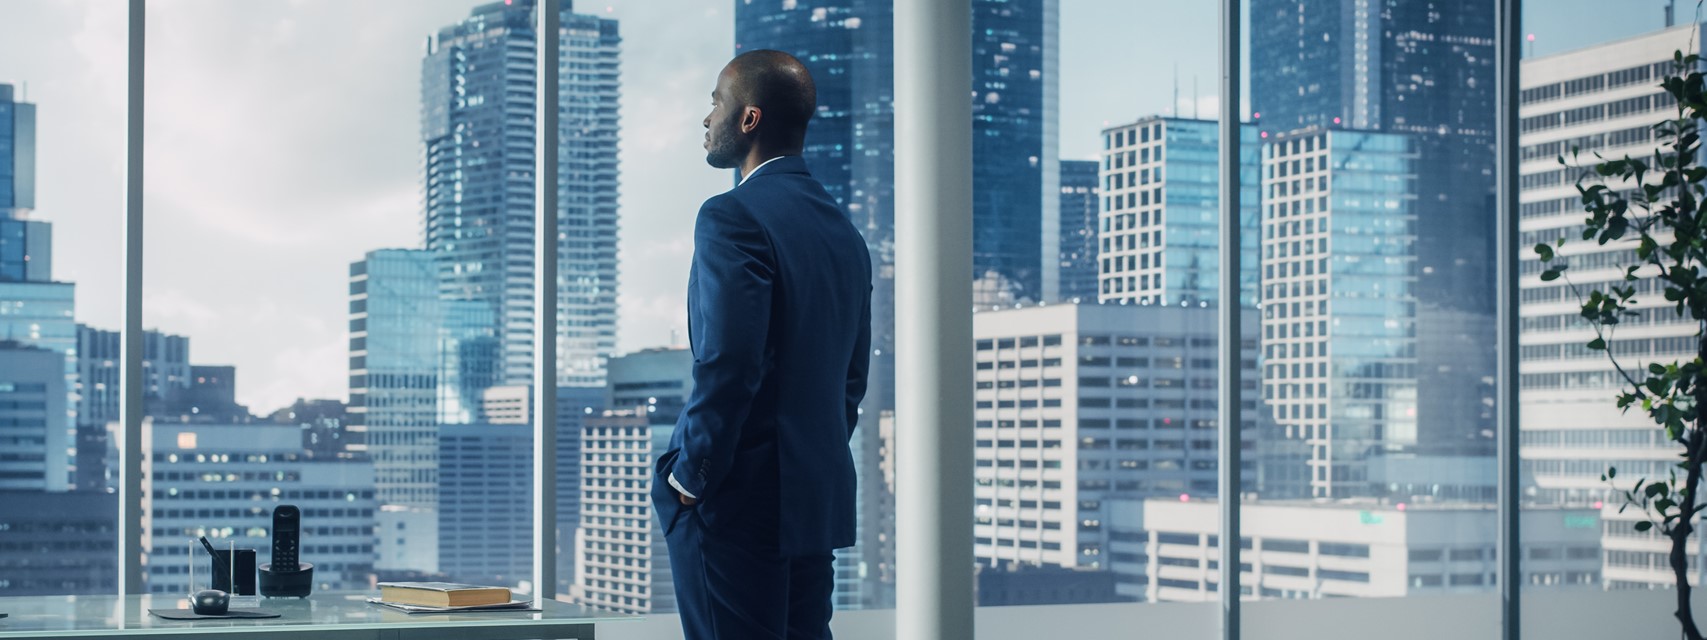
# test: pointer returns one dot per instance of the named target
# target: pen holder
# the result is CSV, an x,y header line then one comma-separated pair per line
x,y
242,571
287,584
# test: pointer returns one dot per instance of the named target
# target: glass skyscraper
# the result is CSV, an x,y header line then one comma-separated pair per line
x,y
1080,201
477,96
1339,320
35,310
17,151
1015,170
1424,69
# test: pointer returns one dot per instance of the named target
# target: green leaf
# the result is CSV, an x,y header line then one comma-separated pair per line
x,y
1544,251
1612,472
1597,344
1644,525
1656,368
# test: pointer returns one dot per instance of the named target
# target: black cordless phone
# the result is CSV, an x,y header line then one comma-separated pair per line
x,y
287,529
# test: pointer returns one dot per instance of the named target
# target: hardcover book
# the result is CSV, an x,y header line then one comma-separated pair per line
x,y
442,594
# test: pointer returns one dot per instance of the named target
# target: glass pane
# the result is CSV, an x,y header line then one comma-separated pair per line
x,y
345,361
848,46
1591,93
1374,461
1096,372
61,290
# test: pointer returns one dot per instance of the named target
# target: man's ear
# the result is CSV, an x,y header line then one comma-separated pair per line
x,y
750,117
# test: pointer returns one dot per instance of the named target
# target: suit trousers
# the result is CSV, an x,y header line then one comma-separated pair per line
x,y
733,583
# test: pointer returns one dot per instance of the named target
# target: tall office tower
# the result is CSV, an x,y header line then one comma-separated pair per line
x,y
1417,67
477,93
1339,331
486,503
58,543
394,372
1015,165
34,309
1602,100
1166,550
1425,69
1081,199
848,45
1159,226
165,371
1081,403
622,563
223,481
32,416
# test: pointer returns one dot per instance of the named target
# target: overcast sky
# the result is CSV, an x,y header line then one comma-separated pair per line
x,y
282,144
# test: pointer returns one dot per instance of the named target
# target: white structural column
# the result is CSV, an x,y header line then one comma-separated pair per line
x,y
130,339
1229,338
546,98
1508,36
933,319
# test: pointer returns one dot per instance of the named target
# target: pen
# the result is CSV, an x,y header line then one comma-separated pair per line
x,y
217,561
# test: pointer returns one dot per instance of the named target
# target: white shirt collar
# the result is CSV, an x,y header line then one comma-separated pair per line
x,y
756,170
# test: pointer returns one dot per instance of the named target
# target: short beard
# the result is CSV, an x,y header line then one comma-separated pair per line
x,y
728,149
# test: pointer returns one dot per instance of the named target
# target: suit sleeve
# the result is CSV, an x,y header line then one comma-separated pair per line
x,y
859,367
729,320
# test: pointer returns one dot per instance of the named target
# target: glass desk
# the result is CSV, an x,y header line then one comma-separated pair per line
x,y
334,616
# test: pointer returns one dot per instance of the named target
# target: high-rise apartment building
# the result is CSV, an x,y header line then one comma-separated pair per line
x,y
1081,200
1160,210
1600,101
1168,550
224,480
1015,165
622,563
1082,403
477,93
848,45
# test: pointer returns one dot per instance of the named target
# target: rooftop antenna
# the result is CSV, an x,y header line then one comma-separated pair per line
x,y
1671,14
1174,109
1194,104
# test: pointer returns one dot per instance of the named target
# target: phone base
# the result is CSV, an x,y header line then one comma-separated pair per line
x,y
287,584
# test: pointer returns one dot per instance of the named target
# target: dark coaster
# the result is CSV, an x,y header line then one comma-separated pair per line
x,y
186,614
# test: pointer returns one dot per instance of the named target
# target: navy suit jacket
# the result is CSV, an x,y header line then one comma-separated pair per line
x,y
779,318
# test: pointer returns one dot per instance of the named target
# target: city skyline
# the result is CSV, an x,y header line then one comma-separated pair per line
x,y
199,175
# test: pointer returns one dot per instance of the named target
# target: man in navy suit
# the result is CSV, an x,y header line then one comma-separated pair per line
x,y
757,488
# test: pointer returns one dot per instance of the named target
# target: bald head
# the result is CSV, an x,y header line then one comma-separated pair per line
x,y
779,86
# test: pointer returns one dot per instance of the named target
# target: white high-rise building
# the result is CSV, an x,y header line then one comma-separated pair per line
x,y
1160,211
1081,403
621,561
1598,100
1168,550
